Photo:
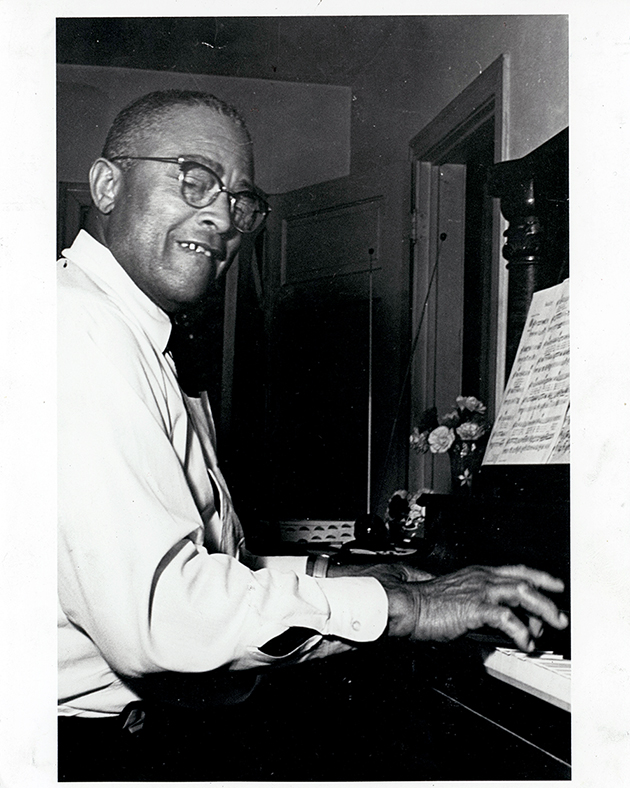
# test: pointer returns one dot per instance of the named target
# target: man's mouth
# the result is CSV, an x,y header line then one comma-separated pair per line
x,y
196,248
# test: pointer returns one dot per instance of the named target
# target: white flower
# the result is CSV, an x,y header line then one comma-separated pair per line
x,y
441,439
470,431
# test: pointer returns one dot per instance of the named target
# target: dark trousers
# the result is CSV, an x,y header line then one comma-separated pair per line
x,y
354,717
171,744
295,726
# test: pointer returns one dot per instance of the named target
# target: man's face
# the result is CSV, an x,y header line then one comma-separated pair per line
x,y
162,242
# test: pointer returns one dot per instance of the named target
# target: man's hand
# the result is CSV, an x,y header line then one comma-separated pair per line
x,y
448,607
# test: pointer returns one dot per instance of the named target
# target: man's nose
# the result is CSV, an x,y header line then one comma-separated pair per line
x,y
217,213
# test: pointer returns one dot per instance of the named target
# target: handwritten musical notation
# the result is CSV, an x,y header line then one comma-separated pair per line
x,y
533,423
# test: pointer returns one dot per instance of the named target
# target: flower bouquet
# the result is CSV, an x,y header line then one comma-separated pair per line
x,y
463,433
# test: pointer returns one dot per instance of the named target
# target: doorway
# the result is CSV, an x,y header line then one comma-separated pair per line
x,y
459,285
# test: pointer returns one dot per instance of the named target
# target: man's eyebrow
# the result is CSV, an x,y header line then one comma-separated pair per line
x,y
211,163
217,168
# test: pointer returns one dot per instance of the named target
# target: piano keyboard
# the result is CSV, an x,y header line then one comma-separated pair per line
x,y
543,673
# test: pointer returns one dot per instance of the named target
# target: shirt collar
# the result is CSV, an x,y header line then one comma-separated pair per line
x,y
99,264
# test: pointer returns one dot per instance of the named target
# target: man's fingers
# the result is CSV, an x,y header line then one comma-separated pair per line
x,y
503,619
536,626
521,594
534,576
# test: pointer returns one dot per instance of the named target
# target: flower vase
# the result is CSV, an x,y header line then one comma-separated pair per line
x,y
466,457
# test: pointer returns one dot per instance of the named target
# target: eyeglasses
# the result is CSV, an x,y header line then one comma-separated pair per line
x,y
200,186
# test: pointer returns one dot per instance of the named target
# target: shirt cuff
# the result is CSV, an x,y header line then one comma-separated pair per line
x,y
358,607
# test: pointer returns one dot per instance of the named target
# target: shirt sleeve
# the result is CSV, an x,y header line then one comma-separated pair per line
x,y
134,575
358,609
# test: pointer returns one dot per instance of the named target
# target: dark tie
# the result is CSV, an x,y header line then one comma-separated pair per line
x,y
195,344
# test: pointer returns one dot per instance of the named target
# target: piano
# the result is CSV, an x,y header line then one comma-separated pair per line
x,y
476,709
518,514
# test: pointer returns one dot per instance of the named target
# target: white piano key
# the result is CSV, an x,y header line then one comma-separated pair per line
x,y
547,677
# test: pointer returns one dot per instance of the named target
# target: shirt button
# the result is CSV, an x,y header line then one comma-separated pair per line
x,y
356,625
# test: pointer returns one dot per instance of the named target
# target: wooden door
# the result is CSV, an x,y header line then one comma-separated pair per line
x,y
318,326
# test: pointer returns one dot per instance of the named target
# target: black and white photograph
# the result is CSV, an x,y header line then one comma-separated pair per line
x,y
316,506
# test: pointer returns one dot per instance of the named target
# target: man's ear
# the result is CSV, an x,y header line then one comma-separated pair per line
x,y
105,182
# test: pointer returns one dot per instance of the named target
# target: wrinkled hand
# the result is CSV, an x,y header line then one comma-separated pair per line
x,y
448,607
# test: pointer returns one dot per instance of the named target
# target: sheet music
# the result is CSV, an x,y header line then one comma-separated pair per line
x,y
560,453
533,424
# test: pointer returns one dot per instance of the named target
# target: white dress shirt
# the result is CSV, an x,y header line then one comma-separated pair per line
x,y
153,573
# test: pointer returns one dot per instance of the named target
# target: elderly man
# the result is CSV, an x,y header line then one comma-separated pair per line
x,y
154,576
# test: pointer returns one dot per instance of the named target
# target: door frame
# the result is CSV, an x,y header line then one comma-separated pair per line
x,y
484,99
